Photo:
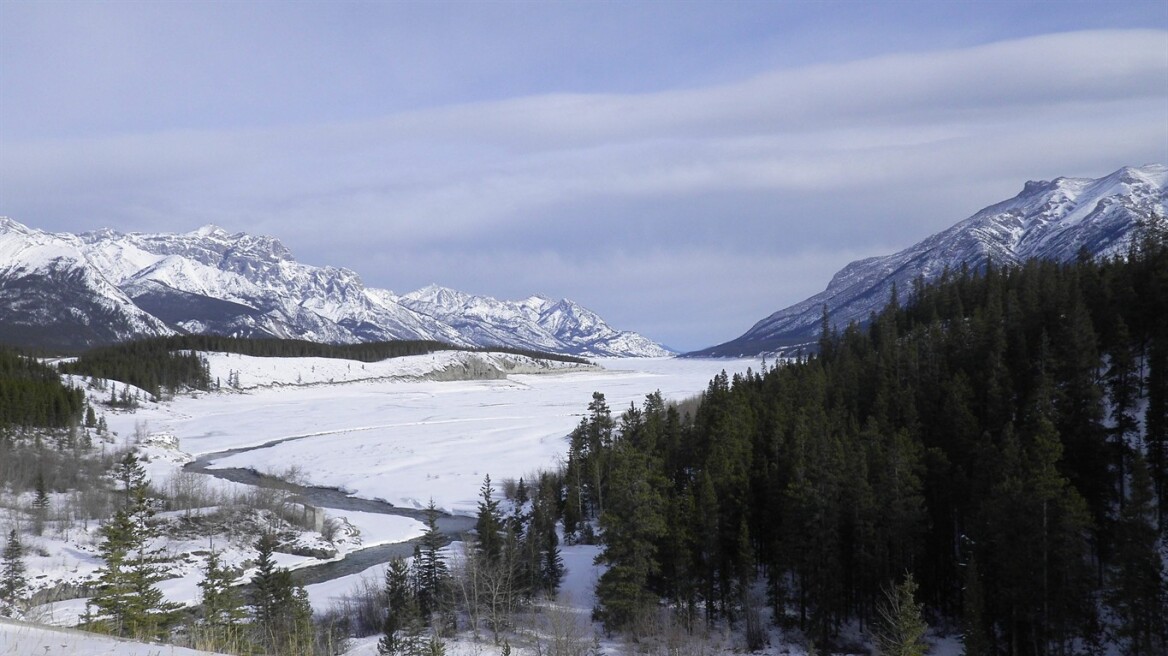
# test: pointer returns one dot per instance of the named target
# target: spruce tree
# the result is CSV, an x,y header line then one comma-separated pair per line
x,y
401,607
127,602
130,475
489,524
281,610
543,543
40,504
265,592
432,573
974,635
222,607
1137,593
901,630
1123,384
13,584
633,521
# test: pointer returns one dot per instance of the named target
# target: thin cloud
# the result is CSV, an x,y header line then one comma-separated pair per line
x,y
832,159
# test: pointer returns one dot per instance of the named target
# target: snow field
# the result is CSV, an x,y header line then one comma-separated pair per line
x,y
22,639
387,433
407,441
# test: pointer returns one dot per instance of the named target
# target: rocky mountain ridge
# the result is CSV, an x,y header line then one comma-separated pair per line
x,y
210,281
1052,219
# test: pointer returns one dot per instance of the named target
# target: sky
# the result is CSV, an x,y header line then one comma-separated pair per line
x,y
681,168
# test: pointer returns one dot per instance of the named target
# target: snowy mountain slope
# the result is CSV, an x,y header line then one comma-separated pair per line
x,y
270,294
1048,219
52,297
537,322
210,281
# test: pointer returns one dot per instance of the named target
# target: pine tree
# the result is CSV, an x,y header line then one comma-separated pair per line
x,y
13,584
901,630
222,607
127,602
1137,593
974,636
489,524
281,610
633,521
432,573
401,608
265,593
40,504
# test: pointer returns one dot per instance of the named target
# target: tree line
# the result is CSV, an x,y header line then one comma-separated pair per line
x,y
1000,439
298,348
172,363
32,394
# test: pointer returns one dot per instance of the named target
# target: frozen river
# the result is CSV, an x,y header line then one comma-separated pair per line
x,y
406,442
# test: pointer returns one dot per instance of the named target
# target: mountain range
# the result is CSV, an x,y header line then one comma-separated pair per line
x,y
1053,219
67,291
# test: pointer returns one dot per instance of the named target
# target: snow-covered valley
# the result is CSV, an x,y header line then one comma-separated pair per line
x,y
400,438
382,430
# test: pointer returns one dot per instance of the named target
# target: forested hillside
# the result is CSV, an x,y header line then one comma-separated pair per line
x,y
31,394
1000,438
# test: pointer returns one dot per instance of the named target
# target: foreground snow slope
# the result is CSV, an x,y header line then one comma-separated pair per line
x,y
21,639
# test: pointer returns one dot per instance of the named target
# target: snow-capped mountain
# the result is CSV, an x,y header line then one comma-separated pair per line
x,y
52,297
536,323
210,281
1048,219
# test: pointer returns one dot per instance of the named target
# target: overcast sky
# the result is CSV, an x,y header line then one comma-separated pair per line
x,y
681,168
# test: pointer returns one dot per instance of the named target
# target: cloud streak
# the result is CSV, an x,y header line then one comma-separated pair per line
x,y
769,183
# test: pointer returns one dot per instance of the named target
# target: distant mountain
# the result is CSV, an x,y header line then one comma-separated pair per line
x,y
74,291
52,297
1048,219
536,323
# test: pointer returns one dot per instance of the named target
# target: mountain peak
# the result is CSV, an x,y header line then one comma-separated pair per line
x,y
438,294
1049,220
1150,174
209,281
209,230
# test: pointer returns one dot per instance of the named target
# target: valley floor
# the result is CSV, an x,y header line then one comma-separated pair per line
x,y
377,431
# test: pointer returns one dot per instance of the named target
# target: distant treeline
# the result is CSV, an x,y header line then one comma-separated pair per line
x,y
298,348
31,394
152,365
1003,437
172,363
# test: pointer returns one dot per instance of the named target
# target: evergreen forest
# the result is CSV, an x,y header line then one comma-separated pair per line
x,y
32,394
172,363
995,448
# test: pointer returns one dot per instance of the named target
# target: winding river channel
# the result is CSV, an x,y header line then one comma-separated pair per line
x,y
453,527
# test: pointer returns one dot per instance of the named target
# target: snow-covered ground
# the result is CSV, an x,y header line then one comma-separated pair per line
x,y
377,430
23,639
405,440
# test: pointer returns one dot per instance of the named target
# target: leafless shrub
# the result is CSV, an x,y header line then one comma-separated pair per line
x,y
509,486
188,491
330,529
364,607
559,630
